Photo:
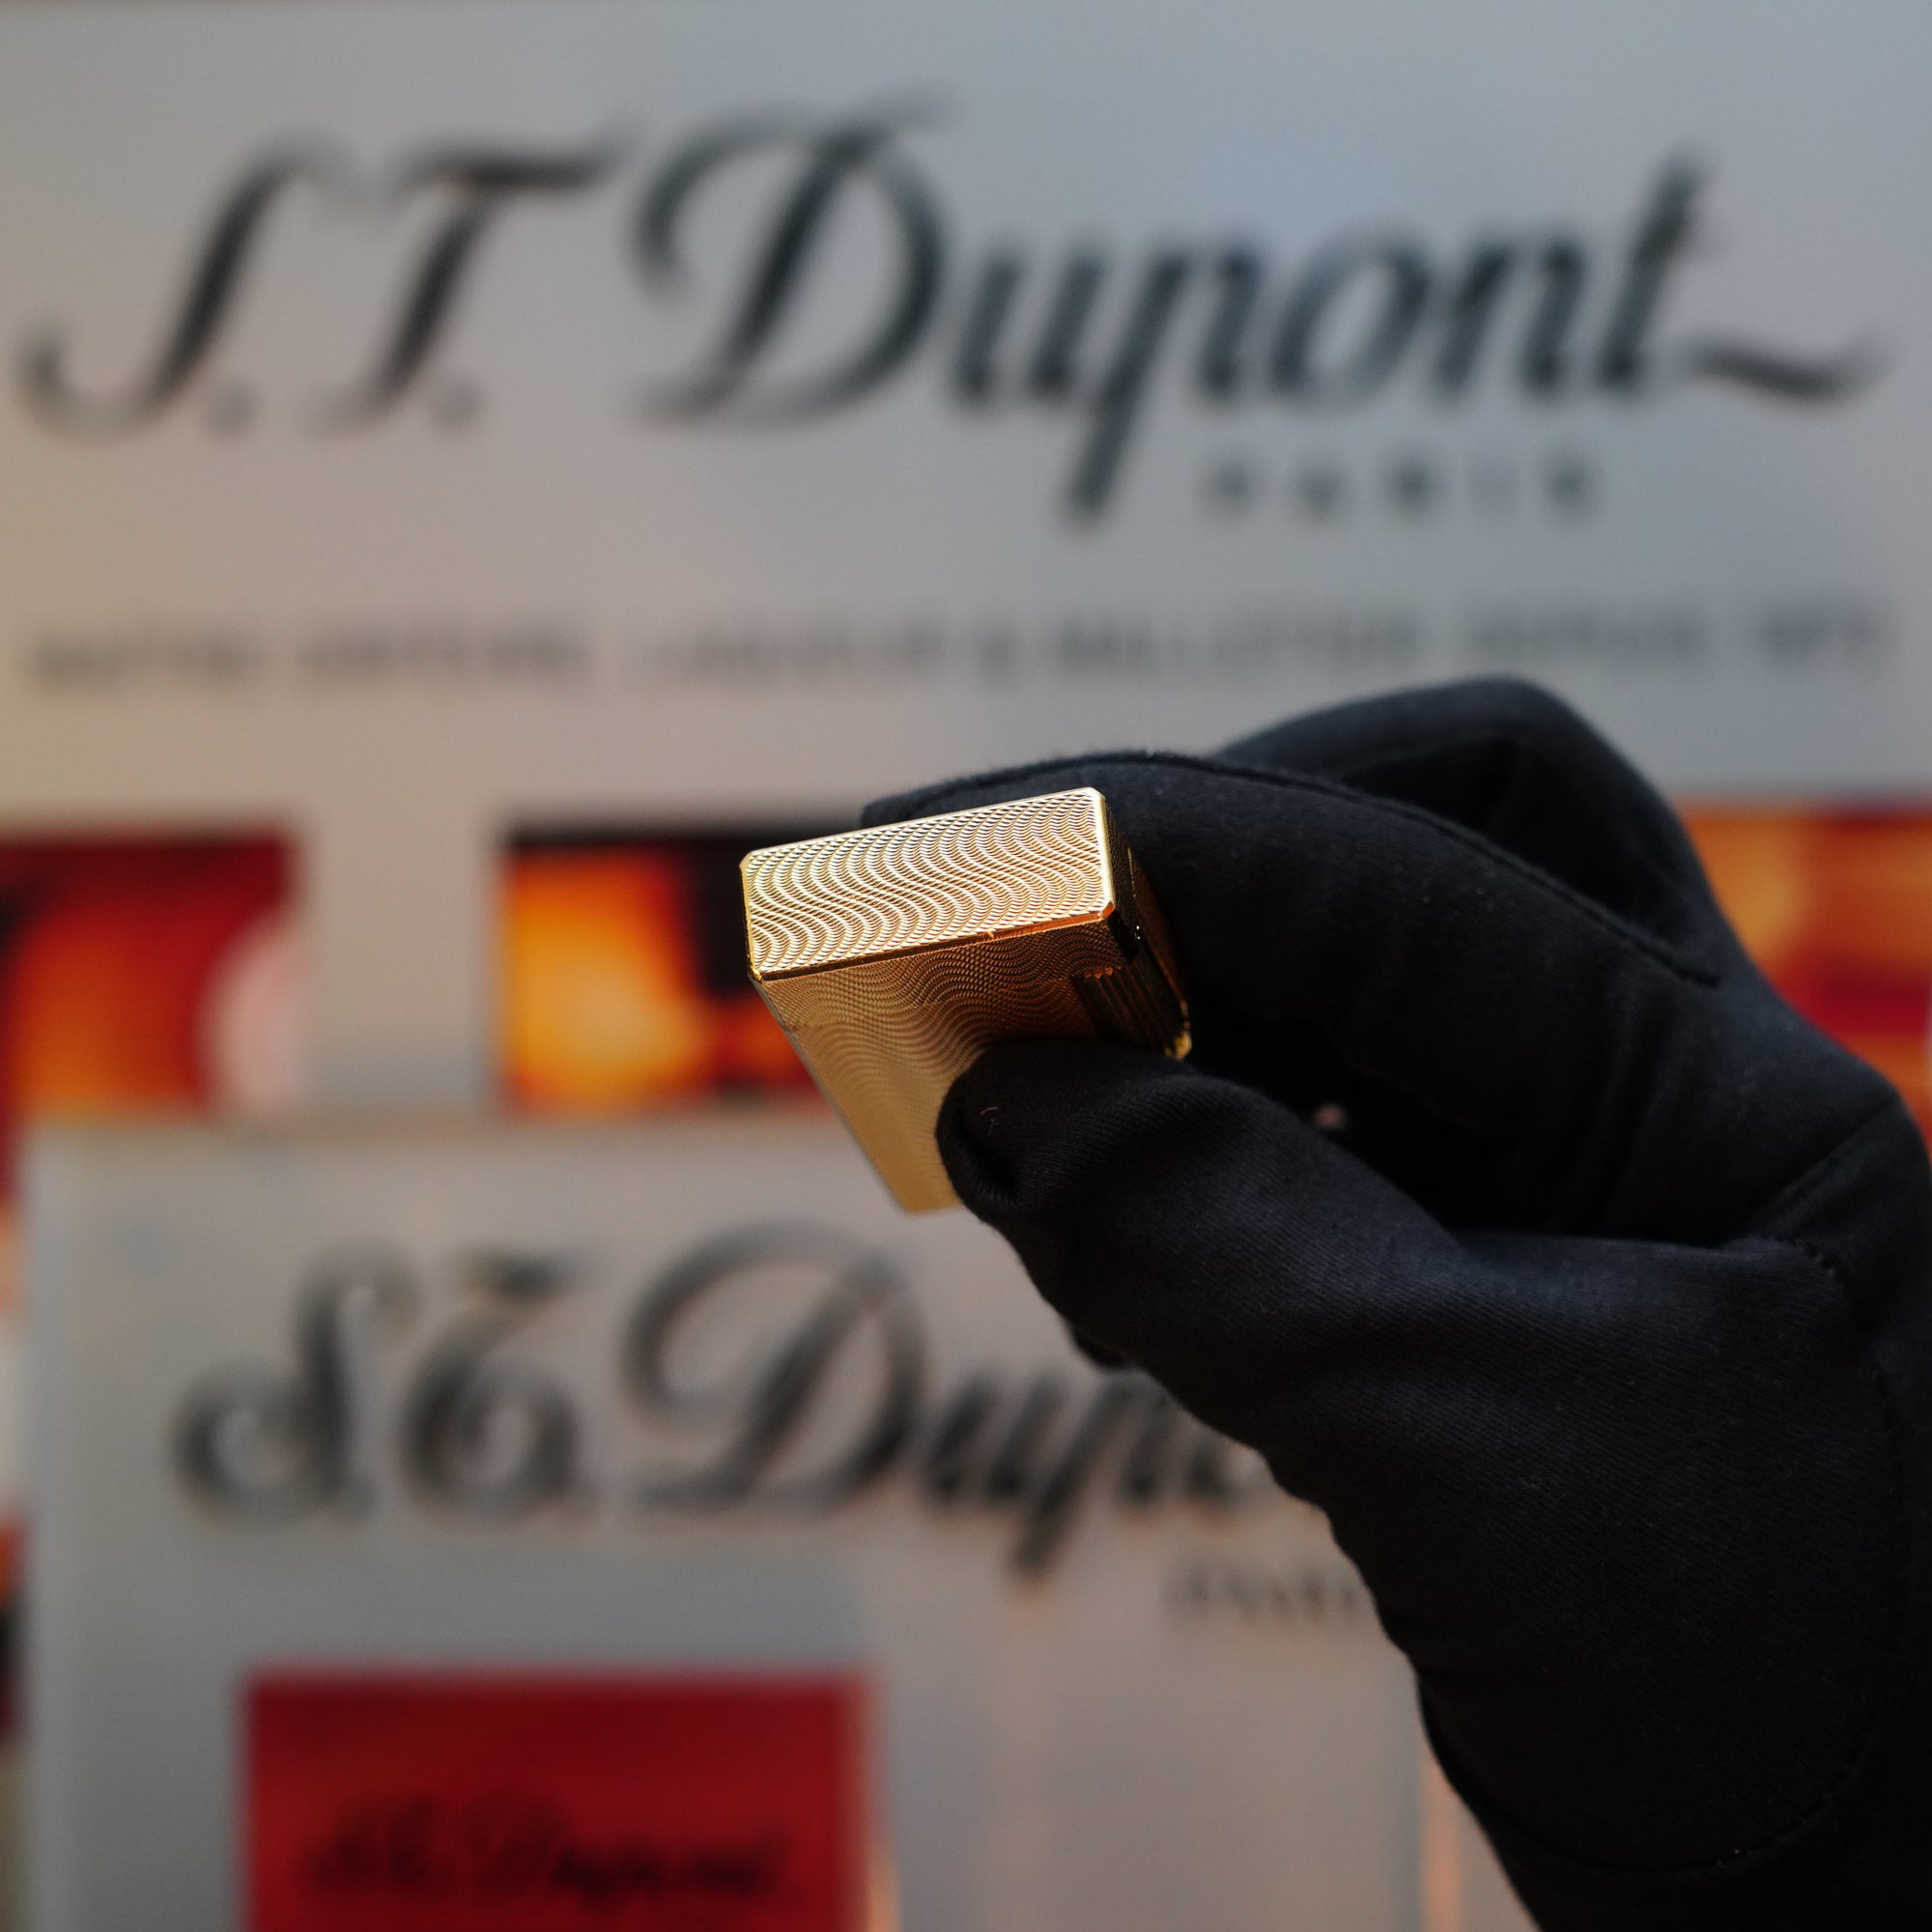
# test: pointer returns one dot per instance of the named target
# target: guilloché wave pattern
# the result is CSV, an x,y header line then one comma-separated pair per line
x,y
893,957
896,889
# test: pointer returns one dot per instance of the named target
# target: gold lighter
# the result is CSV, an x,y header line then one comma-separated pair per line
x,y
894,956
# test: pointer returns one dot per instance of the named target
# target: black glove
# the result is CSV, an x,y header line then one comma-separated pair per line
x,y
1511,1215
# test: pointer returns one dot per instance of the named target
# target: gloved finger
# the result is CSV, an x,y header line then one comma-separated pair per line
x,y
1518,765
1187,1224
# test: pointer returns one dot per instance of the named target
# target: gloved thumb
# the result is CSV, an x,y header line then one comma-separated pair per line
x,y
1193,1225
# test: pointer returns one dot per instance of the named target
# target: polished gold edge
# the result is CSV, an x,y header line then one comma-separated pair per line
x,y
991,936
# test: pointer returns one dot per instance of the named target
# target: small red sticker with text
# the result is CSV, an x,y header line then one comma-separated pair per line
x,y
464,1803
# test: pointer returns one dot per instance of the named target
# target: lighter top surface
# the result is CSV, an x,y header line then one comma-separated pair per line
x,y
1025,867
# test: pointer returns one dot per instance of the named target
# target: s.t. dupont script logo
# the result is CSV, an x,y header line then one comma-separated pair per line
x,y
730,238
777,1371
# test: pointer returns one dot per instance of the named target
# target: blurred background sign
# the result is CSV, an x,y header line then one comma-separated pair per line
x,y
422,418
466,474
385,1452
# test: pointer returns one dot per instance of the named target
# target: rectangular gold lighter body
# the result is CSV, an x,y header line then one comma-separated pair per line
x,y
895,955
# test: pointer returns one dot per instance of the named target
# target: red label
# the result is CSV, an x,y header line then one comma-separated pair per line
x,y
456,1802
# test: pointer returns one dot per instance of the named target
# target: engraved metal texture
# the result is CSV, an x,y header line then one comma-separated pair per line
x,y
894,956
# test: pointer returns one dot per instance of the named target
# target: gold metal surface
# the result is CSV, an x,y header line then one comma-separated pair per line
x,y
894,956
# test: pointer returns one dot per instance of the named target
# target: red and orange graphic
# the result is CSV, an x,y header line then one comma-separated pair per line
x,y
145,973
1836,906
624,983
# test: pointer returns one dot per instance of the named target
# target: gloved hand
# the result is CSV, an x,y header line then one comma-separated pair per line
x,y
1523,1230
